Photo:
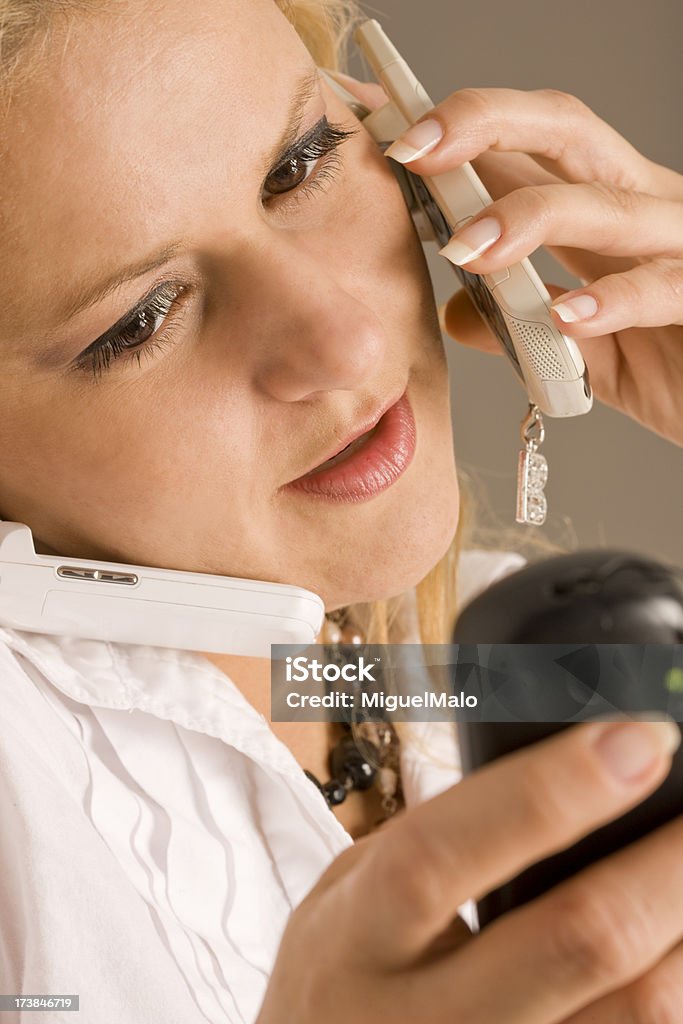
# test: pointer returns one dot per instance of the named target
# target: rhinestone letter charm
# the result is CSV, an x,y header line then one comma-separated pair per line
x,y
532,473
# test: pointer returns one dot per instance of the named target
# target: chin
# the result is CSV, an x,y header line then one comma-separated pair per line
x,y
409,547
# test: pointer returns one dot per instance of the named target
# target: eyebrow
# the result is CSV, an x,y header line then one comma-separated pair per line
x,y
93,291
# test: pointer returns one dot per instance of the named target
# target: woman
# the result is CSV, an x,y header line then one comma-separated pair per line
x,y
193,322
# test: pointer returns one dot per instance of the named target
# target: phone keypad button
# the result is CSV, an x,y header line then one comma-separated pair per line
x,y
71,572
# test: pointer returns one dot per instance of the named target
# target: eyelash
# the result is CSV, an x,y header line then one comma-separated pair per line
x,y
323,144
98,356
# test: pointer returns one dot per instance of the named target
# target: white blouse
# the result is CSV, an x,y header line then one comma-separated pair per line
x,y
154,833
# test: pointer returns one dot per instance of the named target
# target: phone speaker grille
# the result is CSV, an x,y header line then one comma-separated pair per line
x,y
535,341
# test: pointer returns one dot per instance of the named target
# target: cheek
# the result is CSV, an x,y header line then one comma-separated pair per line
x,y
139,474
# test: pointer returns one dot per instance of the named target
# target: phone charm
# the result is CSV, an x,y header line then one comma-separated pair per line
x,y
532,471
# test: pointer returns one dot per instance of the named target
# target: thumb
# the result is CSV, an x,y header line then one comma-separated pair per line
x,y
460,320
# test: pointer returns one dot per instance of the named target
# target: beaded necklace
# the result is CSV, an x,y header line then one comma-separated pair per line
x,y
368,752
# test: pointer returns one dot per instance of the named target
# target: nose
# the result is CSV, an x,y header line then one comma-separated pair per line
x,y
307,331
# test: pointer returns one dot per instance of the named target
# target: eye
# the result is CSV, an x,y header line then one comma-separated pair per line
x,y
320,144
146,326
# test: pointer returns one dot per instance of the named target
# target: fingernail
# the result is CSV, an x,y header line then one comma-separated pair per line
x,y
581,307
630,750
420,139
472,241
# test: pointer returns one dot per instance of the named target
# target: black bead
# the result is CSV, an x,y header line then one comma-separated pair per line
x,y
348,762
334,792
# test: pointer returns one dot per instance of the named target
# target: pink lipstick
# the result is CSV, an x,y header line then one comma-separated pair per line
x,y
370,464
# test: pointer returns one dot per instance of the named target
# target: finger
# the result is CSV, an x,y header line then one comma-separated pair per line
x,y
469,839
667,183
544,122
584,939
596,217
504,172
650,295
656,997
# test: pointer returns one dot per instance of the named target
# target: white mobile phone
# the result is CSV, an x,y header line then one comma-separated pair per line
x,y
138,604
513,302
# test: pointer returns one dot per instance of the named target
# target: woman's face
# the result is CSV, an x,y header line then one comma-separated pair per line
x,y
280,310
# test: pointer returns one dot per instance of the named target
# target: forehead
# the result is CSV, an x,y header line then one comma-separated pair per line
x,y
141,121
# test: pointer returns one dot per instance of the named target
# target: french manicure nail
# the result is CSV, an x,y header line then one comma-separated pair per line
x,y
417,141
581,307
629,750
472,241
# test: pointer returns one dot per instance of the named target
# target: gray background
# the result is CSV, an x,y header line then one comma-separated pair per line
x,y
611,481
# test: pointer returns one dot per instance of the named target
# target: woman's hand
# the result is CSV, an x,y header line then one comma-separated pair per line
x,y
610,215
375,939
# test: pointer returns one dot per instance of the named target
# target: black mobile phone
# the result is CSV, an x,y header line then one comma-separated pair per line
x,y
608,626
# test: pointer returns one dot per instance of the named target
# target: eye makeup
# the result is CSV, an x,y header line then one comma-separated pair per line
x,y
135,331
320,142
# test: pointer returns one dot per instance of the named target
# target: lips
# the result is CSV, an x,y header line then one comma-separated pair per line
x,y
357,432
345,453
369,463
